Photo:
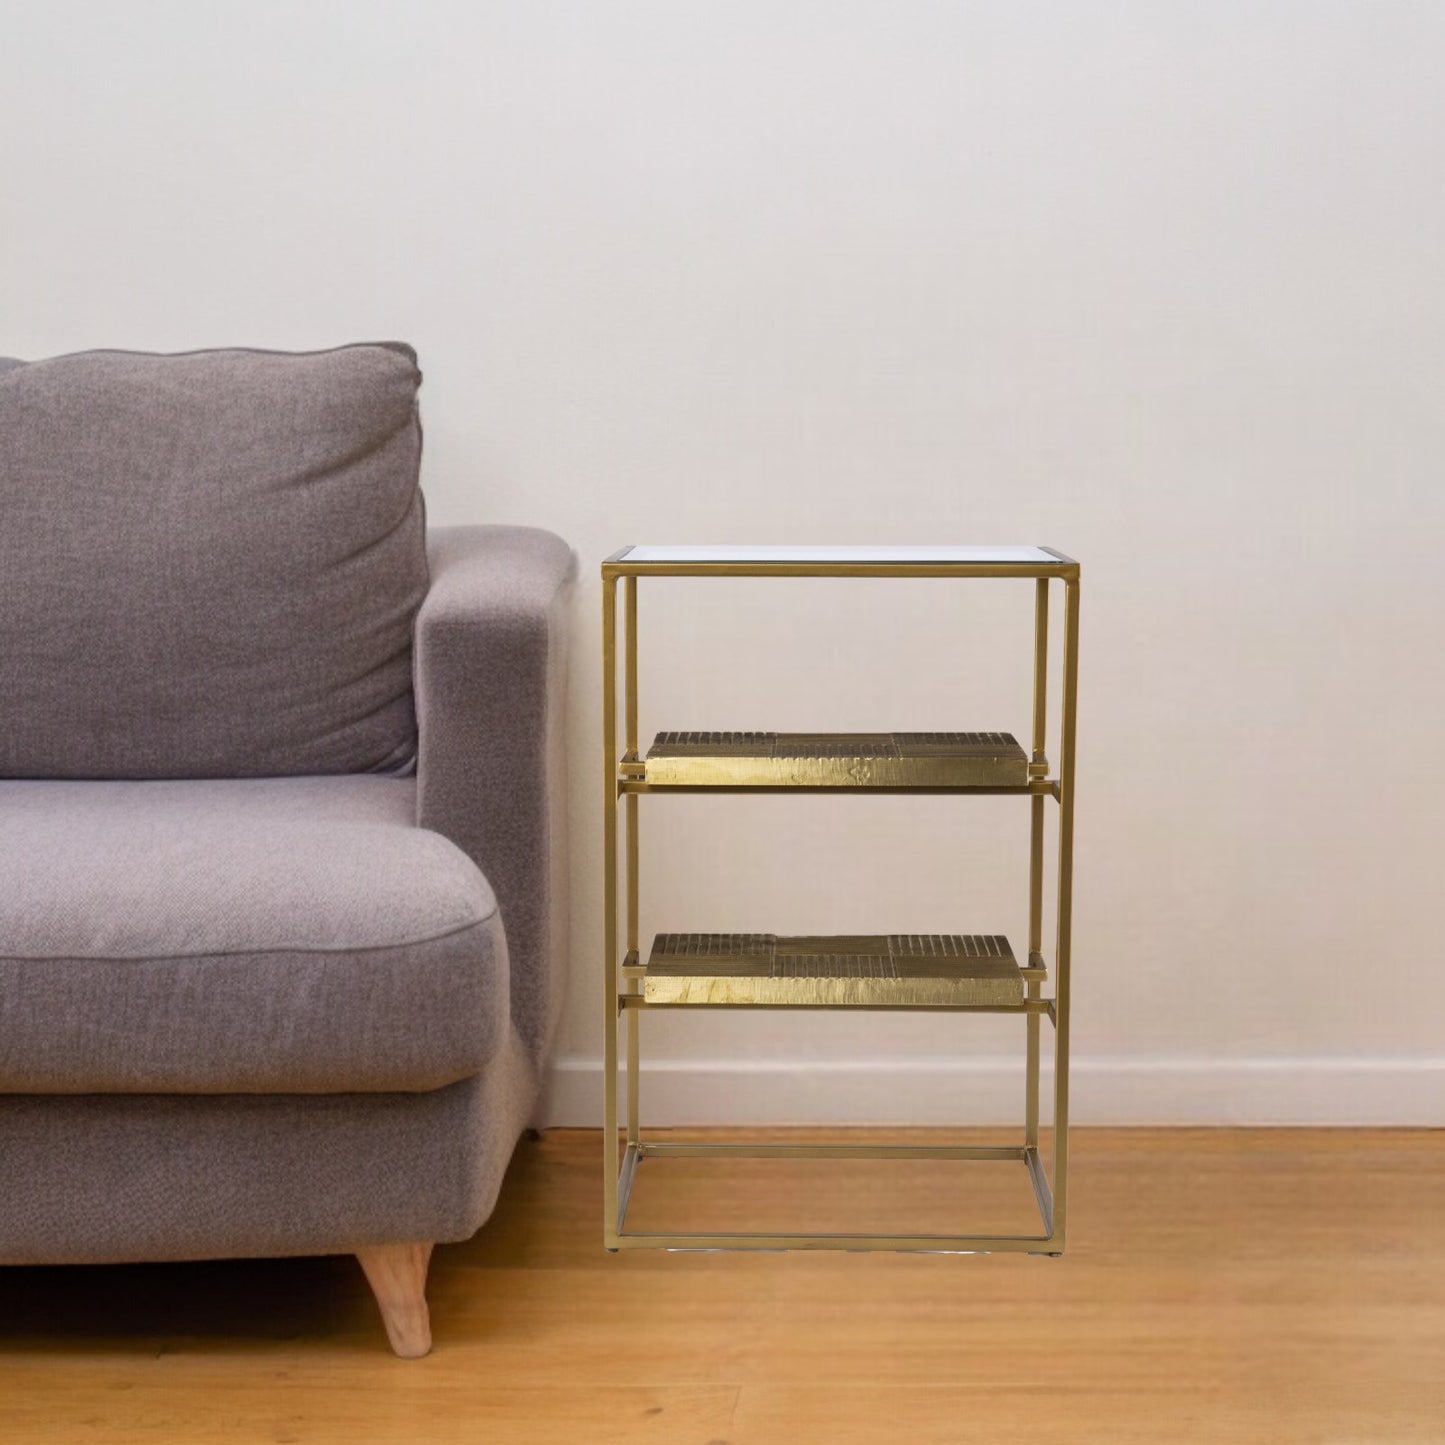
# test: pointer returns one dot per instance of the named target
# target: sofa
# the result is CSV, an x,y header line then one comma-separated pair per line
x,y
282,852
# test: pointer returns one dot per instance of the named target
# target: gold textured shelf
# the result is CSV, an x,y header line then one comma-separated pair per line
x,y
868,970
833,760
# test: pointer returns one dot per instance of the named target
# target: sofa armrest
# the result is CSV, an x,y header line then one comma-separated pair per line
x,y
490,685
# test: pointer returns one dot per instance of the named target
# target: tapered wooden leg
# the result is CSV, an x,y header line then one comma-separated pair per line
x,y
397,1275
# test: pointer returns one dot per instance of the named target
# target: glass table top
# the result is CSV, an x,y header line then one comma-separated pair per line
x,y
785,554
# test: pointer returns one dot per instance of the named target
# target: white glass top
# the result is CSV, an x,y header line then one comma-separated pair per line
x,y
1032,556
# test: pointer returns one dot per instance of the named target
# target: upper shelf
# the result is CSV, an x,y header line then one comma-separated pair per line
x,y
833,760
841,561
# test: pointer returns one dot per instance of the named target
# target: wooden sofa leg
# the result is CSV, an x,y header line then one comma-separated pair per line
x,y
397,1275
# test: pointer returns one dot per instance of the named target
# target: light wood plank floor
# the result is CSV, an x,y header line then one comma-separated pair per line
x,y
1220,1286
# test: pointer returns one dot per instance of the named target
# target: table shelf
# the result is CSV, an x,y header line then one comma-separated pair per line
x,y
861,971
835,761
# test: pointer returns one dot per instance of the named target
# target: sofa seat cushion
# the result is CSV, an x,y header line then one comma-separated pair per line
x,y
279,935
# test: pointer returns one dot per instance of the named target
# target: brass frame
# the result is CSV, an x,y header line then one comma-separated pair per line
x,y
623,970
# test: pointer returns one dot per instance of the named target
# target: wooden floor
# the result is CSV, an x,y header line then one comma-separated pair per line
x,y
1219,1286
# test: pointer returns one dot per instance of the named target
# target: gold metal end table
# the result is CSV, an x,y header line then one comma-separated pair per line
x,y
957,973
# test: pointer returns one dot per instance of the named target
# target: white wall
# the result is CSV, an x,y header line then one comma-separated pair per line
x,y
1158,284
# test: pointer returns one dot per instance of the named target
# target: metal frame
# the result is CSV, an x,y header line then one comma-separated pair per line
x,y
623,971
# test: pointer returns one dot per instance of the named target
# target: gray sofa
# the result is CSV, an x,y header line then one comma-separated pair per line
x,y
282,901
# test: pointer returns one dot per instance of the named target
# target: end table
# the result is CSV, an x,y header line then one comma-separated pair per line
x,y
955,973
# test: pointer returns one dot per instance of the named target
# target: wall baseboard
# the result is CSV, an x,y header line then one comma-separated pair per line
x,y
986,1090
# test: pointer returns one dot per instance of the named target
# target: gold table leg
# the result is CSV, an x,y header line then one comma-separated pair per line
x,y
610,1161
1064,945
634,1016
1036,856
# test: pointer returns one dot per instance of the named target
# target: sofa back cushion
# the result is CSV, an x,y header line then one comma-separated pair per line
x,y
210,563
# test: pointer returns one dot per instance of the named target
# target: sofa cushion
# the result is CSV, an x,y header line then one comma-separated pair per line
x,y
271,935
210,563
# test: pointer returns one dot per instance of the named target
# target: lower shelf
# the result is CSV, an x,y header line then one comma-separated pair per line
x,y
865,970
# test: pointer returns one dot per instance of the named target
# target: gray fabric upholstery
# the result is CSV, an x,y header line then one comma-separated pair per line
x,y
490,680
104,1178
254,935
210,563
